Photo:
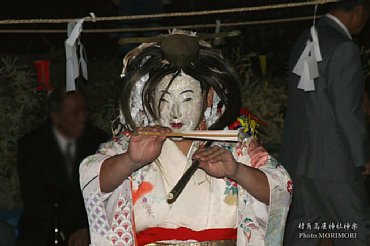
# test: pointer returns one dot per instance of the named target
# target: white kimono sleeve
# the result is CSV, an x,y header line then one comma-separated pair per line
x,y
258,223
109,214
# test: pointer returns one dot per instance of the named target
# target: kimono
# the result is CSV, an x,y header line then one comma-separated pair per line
x,y
138,208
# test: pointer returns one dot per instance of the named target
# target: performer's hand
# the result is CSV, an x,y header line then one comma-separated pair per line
x,y
79,238
145,149
216,161
366,169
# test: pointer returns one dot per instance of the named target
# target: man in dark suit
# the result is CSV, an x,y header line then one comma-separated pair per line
x,y
48,167
325,145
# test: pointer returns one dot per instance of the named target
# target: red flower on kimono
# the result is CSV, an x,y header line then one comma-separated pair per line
x,y
257,153
144,188
289,186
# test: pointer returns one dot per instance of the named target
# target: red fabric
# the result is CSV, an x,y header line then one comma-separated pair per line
x,y
43,75
156,234
245,111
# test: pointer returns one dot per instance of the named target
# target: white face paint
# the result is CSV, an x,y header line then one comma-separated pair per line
x,y
182,105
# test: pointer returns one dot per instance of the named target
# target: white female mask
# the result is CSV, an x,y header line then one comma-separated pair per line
x,y
181,107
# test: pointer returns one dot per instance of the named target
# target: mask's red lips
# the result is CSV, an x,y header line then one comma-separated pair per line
x,y
176,125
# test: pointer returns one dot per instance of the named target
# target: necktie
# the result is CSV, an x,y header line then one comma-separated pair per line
x,y
68,158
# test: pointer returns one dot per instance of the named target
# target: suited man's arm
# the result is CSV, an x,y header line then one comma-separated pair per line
x,y
346,88
78,212
38,214
80,231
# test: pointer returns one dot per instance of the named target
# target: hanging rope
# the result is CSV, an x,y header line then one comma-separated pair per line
x,y
167,15
164,28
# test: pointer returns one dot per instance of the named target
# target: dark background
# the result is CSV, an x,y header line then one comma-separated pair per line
x,y
275,38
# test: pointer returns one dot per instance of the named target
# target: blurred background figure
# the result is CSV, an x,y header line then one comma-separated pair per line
x,y
325,145
48,167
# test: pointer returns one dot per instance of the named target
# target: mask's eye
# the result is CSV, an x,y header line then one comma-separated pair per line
x,y
188,99
164,100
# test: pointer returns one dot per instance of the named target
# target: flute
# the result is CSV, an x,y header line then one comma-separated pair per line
x,y
231,135
179,187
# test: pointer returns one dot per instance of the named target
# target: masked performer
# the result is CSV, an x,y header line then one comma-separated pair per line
x,y
239,196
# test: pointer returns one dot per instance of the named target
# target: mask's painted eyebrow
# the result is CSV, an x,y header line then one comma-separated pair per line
x,y
187,91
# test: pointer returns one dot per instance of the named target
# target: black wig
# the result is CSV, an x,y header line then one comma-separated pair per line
x,y
204,64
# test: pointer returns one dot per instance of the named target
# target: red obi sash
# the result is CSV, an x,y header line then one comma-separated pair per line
x,y
156,234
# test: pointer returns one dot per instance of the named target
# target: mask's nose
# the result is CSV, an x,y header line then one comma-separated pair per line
x,y
175,111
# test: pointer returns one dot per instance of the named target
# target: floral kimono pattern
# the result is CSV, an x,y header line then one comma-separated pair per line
x,y
111,216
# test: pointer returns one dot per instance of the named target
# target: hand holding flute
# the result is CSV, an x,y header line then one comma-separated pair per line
x,y
141,151
216,161
144,149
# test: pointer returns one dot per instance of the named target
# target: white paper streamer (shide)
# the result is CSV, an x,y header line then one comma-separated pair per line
x,y
307,65
75,61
